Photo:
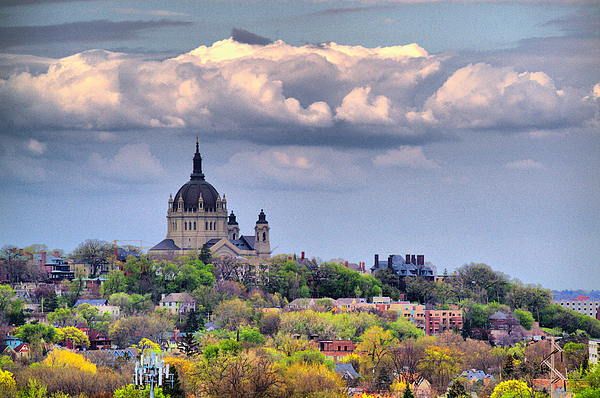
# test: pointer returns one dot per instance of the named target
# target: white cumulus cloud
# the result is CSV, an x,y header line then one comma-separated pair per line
x,y
405,156
132,163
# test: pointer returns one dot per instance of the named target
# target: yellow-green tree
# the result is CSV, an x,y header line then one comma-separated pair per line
x,y
8,387
303,380
66,358
72,334
512,389
374,346
439,365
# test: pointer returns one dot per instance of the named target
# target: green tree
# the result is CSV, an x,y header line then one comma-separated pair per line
x,y
457,390
439,365
33,390
525,318
232,314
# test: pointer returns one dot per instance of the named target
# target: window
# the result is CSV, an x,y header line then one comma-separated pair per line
x,y
194,225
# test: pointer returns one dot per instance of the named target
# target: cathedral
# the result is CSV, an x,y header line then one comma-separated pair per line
x,y
197,215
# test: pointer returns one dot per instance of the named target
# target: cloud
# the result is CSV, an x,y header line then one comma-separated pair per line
x,y
243,36
360,107
35,147
405,156
526,164
327,94
296,168
132,163
481,96
99,31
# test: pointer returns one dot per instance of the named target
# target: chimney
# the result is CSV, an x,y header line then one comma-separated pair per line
x,y
390,261
377,261
421,259
413,259
407,257
346,264
302,258
43,258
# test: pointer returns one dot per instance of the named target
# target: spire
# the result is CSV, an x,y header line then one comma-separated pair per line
x,y
197,172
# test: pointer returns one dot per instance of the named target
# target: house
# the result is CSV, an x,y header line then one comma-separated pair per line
x,y
22,350
346,371
409,265
336,349
473,376
56,267
178,303
98,341
102,306
349,304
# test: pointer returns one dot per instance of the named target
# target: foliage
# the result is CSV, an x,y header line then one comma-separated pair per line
x,y
403,329
512,389
33,333
8,387
439,365
33,390
129,391
128,331
312,380
73,335
61,317
457,390
232,314
238,377
310,357
60,358
525,318
589,385
251,336
375,345
94,252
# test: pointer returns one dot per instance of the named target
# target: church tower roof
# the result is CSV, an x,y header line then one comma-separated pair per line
x,y
195,188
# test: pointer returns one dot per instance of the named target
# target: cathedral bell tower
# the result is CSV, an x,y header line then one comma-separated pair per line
x,y
261,236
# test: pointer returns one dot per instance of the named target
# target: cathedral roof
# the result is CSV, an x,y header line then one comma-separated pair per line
x,y
190,191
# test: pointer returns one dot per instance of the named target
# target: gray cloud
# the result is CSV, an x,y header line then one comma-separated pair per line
x,y
243,36
98,31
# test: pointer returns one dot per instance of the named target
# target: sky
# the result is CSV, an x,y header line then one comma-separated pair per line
x,y
466,131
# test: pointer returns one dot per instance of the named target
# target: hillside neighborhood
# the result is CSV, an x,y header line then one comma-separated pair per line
x,y
286,326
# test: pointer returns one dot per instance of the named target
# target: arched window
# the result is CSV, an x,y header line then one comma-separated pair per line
x,y
185,225
194,225
206,225
264,236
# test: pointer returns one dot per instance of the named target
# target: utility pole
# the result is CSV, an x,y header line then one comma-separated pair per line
x,y
555,374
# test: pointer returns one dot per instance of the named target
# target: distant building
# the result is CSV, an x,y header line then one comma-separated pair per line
x,y
178,303
56,267
336,349
409,265
438,321
594,352
583,305
198,216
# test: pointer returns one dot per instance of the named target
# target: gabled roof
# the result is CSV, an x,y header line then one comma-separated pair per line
x,y
92,302
346,369
499,315
166,245
178,298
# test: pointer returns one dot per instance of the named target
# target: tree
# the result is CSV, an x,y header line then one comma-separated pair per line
x,y
33,390
61,358
8,388
61,317
439,365
312,380
375,345
238,377
406,358
512,389
188,345
232,314
128,331
12,262
95,253
457,390
71,335
525,318
130,391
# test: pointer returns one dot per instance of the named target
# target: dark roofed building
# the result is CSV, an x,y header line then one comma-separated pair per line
x,y
409,265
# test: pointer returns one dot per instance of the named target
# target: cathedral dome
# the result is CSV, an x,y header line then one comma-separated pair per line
x,y
197,186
